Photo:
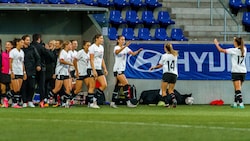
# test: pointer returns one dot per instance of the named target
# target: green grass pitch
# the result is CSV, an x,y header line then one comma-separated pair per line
x,y
144,123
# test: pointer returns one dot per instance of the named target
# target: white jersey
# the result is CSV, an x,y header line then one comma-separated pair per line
x,y
63,69
169,62
98,52
72,54
17,61
238,62
82,62
120,59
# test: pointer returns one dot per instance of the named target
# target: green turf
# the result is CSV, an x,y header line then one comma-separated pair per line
x,y
144,123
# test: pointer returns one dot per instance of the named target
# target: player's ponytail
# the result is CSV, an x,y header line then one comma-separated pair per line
x,y
170,49
240,44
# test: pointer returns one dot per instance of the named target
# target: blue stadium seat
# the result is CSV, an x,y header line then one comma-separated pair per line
x,y
136,4
235,6
144,34
161,34
177,35
148,18
89,2
38,1
151,4
164,19
105,3
128,33
246,21
6,1
119,4
112,33
115,18
70,1
247,4
54,1
132,18
21,1
100,18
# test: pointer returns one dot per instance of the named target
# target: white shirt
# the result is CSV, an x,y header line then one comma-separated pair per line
x,y
82,62
72,54
63,69
120,59
98,52
169,62
17,61
238,62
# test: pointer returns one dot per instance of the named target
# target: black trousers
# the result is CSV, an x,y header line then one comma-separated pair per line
x,y
28,89
41,76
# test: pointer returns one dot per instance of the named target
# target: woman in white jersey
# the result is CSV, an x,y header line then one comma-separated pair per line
x,y
17,70
81,63
63,74
97,69
170,73
120,51
238,55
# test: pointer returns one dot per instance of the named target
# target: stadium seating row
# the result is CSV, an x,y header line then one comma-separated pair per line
x,y
236,5
102,3
144,34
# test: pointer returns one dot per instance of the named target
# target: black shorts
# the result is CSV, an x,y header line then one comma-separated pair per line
x,y
72,74
118,73
62,77
169,77
5,78
90,73
18,77
82,77
238,76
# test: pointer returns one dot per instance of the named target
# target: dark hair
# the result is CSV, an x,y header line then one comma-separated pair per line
x,y
1,45
35,37
119,37
60,41
240,43
96,37
15,41
25,36
72,41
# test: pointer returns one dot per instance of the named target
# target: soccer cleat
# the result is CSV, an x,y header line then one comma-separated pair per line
x,y
129,104
234,105
25,105
94,106
241,106
42,104
16,106
46,105
67,104
174,102
161,103
56,105
6,102
112,105
30,104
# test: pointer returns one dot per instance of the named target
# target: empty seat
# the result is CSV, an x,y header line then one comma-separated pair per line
x,y
247,4
21,1
148,18
100,18
115,17
161,34
38,1
128,33
71,1
132,18
121,3
54,1
246,21
112,33
152,4
144,34
235,6
105,3
177,35
164,19
89,2
6,1
136,4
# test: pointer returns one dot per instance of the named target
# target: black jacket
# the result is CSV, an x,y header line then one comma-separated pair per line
x,y
31,60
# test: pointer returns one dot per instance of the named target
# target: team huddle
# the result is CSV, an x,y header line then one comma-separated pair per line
x,y
57,70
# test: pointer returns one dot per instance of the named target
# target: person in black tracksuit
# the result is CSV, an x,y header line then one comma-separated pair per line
x,y
43,52
32,63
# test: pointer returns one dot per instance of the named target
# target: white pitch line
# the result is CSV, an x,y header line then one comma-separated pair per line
x,y
135,123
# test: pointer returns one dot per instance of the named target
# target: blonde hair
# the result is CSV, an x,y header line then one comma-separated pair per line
x,y
65,43
169,48
240,43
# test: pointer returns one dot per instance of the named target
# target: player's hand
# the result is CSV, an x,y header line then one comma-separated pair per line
x,y
105,72
24,76
216,41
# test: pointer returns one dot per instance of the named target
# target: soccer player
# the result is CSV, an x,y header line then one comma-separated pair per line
x,y
238,55
120,51
17,69
62,73
5,74
97,69
81,63
170,73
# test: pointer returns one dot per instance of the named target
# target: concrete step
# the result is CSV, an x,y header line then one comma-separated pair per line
x,y
196,22
190,4
212,28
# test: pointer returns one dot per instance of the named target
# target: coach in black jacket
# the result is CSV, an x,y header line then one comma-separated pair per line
x,y
32,63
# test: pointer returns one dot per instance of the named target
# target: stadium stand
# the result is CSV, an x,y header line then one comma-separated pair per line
x,y
148,18
161,34
112,33
164,19
132,18
152,4
105,3
89,2
115,18
136,4
246,21
119,4
129,34
235,6
144,34
177,35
